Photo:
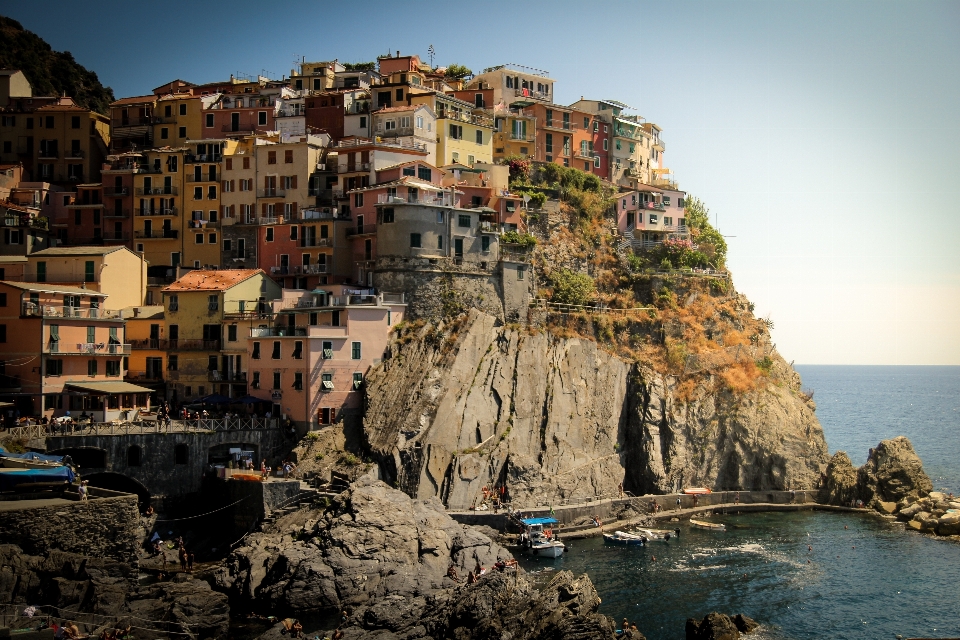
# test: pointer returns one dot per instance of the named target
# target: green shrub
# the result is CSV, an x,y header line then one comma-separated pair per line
x,y
570,287
515,237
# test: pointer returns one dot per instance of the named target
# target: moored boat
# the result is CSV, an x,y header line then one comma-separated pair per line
x,y
708,526
539,539
659,534
622,537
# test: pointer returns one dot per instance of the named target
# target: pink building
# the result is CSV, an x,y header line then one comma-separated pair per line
x,y
651,214
312,362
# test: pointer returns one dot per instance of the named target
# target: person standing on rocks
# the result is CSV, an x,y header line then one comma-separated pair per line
x,y
678,503
620,490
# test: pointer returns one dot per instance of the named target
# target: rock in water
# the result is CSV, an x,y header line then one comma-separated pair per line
x,y
714,626
840,481
373,542
893,472
745,624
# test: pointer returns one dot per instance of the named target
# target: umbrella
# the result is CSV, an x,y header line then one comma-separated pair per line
x,y
250,400
215,398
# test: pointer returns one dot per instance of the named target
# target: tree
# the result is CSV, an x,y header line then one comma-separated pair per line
x,y
359,66
457,71
709,240
519,168
570,287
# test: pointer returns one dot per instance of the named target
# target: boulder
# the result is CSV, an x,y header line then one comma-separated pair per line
x,y
893,471
745,624
714,626
887,507
839,485
908,513
949,524
915,525
373,541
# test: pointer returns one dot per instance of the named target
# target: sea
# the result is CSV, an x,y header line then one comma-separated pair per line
x,y
807,574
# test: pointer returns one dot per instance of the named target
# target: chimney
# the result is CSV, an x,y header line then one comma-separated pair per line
x,y
398,53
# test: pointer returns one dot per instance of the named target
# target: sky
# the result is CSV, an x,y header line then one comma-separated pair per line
x,y
823,136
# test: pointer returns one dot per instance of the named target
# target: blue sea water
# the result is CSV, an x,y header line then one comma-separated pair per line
x,y
809,574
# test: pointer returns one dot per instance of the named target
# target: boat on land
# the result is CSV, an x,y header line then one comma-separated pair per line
x,y
538,537
659,534
697,491
622,537
708,526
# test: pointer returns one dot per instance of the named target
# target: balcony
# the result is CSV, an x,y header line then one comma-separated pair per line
x,y
191,158
320,301
242,129
278,332
236,254
300,270
115,192
586,154
156,212
327,213
439,200
655,206
367,229
145,376
150,343
459,116
213,375
158,191
363,142
193,345
316,242
529,93
562,126
47,154
156,234
489,227
203,178
271,193
522,137
113,213
399,132
84,348
75,153
30,309
353,167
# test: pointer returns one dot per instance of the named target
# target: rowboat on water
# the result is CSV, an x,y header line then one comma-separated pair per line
x,y
659,534
622,537
709,526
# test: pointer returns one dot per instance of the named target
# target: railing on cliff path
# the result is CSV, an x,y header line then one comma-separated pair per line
x,y
725,357
146,427
558,307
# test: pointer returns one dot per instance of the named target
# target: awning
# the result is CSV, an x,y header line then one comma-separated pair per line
x,y
109,387
530,521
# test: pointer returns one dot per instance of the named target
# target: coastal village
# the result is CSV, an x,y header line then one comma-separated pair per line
x,y
276,359
257,239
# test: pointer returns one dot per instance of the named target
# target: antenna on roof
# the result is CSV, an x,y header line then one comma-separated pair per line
x,y
431,52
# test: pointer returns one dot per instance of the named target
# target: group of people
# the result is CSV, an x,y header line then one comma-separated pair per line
x,y
629,630
186,558
479,570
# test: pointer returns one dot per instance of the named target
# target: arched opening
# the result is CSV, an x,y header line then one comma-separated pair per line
x,y
84,457
233,454
181,454
133,456
119,482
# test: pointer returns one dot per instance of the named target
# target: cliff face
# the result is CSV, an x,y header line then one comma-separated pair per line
x,y
560,418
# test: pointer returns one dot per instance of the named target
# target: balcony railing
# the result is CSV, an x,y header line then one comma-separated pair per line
x,y
459,116
47,154
399,132
191,158
134,122
564,126
353,167
277,332
96,348
655,206
586,154
156,212
193,345
145,376
271,193
31,309
235,254
315,301
113,213
358,142
529,93
298,270
241,129
214,375
316,242
203,178
150,343
75,153
362,230
115,192
157,234
158,191
522,137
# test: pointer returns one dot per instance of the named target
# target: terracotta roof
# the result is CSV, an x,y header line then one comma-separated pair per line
x,y
79,251
61,107
4,167
210,280
403,108
134,100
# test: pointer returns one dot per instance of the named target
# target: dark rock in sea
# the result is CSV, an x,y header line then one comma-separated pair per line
x,y
374,541
744,623
840,482
893,472
500,605
188,607
714,626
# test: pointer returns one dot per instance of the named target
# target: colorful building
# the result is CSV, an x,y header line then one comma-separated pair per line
x,y
114,271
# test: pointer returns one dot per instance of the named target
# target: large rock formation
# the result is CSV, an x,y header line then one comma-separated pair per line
x,y
892,475
839,485
100,593
372,542
718,626
559,418
500,605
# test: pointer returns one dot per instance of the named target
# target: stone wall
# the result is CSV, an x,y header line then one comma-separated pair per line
x,y
158,470
105,526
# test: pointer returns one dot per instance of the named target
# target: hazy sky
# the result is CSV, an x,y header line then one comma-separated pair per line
x,y
823,135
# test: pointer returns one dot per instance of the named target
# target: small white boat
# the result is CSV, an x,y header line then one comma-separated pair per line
x,y
622,537
708,526
541,541
659,534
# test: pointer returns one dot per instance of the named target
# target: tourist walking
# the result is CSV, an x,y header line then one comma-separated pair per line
x,y
83,490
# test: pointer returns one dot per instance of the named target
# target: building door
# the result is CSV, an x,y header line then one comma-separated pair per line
x,y
148,228
359,224
458,247
234,122
118,230
368,249
154,336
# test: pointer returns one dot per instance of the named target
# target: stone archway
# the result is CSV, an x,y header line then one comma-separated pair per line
x,y
119,482
84,457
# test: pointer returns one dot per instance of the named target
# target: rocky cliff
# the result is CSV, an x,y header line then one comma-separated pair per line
x,y
456,408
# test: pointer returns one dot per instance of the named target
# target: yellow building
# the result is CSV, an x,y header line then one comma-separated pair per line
x,y
208,315
144,332
113,270
179,117
158,206
464,133
203,183
514,134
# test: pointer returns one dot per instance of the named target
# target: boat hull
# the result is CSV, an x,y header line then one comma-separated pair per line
x,y
611,538
552,550
708,526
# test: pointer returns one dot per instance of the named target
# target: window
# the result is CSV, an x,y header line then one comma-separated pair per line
x,y
212,238
298,381
596,160
355,351
485,244
389,125
326,381
276,350
269,234
173,362
419,122
3,301
566,145
327,350
209,123
271,157
91,368
181,454
198,238
231,333
182,132
212,192
653,218
424,173
404,122
632,147
74,122
261,118
414,240
255,382
213,302
53,368
410,170
113,368
463,220
198,193
211,363
164,133
681,203
521,272
549,142
440,217
399,94
440,242
358,200
456,131
276,379
298,350
387,215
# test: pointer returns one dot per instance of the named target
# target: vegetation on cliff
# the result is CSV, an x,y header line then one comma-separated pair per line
x,y
51,73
